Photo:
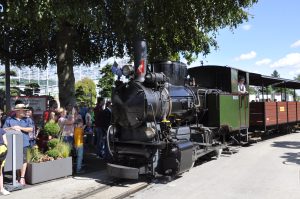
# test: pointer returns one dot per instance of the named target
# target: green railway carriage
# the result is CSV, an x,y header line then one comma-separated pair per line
x,y
228,110
226,106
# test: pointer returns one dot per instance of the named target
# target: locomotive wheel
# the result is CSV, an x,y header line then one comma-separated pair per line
x,y
291,129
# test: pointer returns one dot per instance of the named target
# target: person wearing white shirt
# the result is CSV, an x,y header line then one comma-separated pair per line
x,y
241,86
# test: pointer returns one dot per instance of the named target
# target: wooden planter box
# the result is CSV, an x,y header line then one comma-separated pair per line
x,y
44,171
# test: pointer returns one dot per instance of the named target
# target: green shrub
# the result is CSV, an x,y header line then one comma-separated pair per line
x,y
34,155
64,149
57,149
52,143
53,153
51,128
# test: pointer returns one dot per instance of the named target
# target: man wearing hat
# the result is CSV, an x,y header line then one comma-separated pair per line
x,y
20,122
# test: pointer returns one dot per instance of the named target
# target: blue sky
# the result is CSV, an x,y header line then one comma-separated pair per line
x,y
269,41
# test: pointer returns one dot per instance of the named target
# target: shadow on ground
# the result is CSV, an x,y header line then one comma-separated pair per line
x,y
287,144
291,158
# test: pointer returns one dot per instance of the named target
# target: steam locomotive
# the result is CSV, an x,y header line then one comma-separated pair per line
x,y
158,118
165,117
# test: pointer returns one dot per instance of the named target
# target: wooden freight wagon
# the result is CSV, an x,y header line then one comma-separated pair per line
x,y
282,114
267,115
263,115
292,111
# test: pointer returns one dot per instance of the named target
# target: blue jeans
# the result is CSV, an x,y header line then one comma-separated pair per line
x,y
100,133
32,143
68,139
79,152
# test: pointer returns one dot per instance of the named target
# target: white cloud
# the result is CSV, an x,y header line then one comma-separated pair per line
x,y
246,27
265,61
246,56
296,44
292,59
294,73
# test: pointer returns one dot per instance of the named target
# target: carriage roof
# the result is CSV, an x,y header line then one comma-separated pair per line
x,y
255,79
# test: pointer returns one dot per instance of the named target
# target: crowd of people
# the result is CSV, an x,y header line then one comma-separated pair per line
x,y
80,126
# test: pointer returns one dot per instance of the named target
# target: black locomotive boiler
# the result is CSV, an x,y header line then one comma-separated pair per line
x,y
156,126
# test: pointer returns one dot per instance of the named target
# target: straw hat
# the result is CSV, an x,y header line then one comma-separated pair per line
x,y
20,107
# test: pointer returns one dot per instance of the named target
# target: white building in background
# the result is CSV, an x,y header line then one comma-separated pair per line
x,y
273,97
47,78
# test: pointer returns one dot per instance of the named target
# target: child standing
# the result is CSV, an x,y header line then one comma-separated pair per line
x,y
78,144
3,152
89,127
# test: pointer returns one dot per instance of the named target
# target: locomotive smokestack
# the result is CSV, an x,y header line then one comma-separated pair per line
x,y
140,59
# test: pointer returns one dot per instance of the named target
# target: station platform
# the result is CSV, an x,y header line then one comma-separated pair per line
x,y
94,177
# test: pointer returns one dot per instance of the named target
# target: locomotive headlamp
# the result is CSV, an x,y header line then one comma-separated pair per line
x,y
127,70
150,133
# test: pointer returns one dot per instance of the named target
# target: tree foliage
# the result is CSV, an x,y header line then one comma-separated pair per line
x,y
12,73
106,81
272,88
275,74
31,89
66,33
252,90
279,90
12,81
86,91
15,91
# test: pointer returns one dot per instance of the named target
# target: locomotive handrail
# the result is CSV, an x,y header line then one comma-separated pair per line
x,y
157,136
107,140
142,143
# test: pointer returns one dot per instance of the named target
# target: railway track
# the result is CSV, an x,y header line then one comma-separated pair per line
x,y
117,189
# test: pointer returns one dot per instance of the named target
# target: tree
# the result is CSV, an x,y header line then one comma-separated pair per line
x,y
279,90
15,91
12,73
275,74
61,33
2,99
86,91
272,88
67,33
106,81
31,89
252,90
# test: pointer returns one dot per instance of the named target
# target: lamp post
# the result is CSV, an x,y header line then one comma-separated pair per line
x,y
7,81
7,67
